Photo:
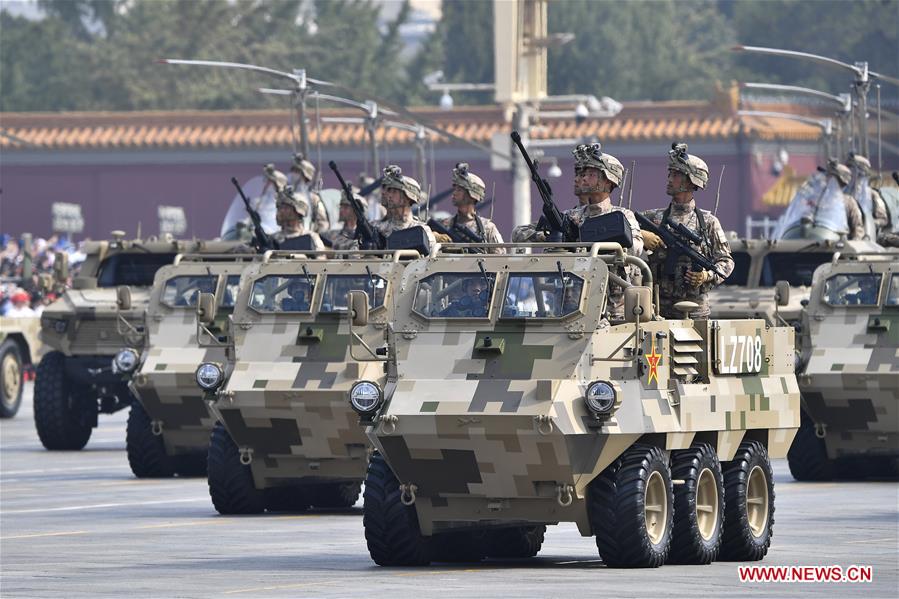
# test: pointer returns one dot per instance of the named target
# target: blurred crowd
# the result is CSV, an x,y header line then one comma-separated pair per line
x,y
22,294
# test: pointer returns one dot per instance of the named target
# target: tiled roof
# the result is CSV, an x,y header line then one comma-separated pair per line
x,y
638,121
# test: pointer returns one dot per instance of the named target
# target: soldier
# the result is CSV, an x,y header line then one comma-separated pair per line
x,y
686,174
273,178
376,210
473,303
304,172
879,212
291,210
468,190
345,238
854,217
400,193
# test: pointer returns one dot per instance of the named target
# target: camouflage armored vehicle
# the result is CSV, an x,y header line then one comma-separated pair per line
x,y
510,403
169,425
286,438
849,371
85,329
20,348
753,288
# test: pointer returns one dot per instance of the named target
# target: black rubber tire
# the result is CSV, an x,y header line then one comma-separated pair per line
x,y
391,528
230,482
687,543
516,542
146,451
58,409
616,509
464,546
335,495
9,404
807,456
738,542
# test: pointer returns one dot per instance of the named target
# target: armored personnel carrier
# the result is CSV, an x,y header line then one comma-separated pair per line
x,y
848,371
511,404
169,425
84,330
19,349
286,438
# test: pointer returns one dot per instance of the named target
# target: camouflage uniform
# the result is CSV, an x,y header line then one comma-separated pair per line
x,y
675,288
345,238
854,217
319,220
299,203
482,227
393,178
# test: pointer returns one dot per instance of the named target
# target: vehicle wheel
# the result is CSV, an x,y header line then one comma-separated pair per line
x,y
807,456
631,509
391,528
12,379
336,495
59,411
698,506
748,504
146,451
462,546
190,464
516,542
230,482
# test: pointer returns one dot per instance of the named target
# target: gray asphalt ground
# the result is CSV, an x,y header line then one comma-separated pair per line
x,y
78,524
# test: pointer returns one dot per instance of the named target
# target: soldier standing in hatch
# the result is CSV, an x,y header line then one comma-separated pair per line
x,y
879,212
399,193
304,172
291,210
468,190
686,174
345,238
854,217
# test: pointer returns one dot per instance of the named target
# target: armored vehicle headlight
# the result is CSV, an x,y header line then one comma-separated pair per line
x,y
125,361
209,376
600,397
365,397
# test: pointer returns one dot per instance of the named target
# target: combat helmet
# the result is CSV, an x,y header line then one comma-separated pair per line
x,y
693,166
469,181
591,156
276,177
838,170
858,161
287,195
345,202
393,178
302,166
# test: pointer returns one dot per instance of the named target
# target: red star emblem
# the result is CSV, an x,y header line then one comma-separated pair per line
x,y
653,360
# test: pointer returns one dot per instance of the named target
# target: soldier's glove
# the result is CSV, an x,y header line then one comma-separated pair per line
x,y
443,238
651,241
698,279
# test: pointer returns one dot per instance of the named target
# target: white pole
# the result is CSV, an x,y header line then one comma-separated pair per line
x,y
521,184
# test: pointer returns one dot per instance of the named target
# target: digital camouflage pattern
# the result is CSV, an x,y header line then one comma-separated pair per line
x,y
498,432
490,231
715,246
849,370
285,401
165,382
759,263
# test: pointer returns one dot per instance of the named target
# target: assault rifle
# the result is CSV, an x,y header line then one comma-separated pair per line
x,y
677,247
457,233
560,228
369,237
262,241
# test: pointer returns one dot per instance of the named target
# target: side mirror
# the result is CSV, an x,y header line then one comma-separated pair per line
x,y
782,293
638,304
206,309
357,301
123,297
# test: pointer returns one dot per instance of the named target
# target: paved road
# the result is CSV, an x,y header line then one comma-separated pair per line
x,y
80,525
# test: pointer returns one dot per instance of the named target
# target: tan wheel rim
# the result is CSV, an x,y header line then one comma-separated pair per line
x,y
706,504
655,507
757,501
11,378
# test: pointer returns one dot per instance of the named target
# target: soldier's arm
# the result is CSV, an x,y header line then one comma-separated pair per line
x,y
881,218
720,250
854,216
493,236
636,233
